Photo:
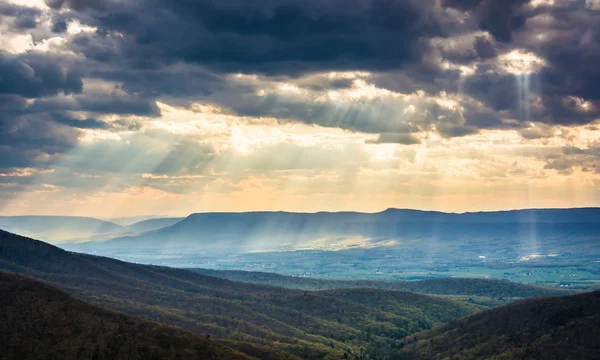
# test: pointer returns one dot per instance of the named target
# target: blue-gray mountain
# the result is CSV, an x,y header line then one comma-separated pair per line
x,y
505,235
61,229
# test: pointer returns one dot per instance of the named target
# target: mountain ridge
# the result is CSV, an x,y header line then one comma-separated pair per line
x,y
543,328
525,231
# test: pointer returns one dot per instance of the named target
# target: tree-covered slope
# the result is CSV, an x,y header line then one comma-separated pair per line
x,y
441,286
38,321
544,328
307,324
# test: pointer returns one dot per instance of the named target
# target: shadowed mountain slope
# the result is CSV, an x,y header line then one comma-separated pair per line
x,y
38,321
544,328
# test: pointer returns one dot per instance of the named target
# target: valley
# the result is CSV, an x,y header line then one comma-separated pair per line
x,y
546,247
552,235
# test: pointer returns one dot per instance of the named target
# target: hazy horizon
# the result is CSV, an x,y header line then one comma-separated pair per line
x,y
183,215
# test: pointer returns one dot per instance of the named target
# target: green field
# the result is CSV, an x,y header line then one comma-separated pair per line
x,y
576,275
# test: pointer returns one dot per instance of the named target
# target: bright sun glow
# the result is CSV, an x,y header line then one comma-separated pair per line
x,y
520,63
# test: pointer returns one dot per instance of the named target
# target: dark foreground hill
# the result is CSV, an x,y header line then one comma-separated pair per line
x,y
441,286
38,321
545,328
255,319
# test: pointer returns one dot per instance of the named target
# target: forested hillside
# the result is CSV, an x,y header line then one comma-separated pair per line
x,y
38,321
307,324
441,286
547,328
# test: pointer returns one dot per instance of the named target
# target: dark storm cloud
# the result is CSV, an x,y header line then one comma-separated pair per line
x,y
140,41
12,102
35,124
17,12
499,18
484,48
89,123
33,141
34,75
499,91
573,49
565,37
79,5
277,36
27,141
98,103
177,82
59,24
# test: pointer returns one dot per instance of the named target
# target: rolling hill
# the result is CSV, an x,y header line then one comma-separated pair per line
x,y
151,224
38,321
546,328
440,286
307,324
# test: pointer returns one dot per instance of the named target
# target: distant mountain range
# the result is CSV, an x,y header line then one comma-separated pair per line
x,y
129,220
504,234
552,235
60,229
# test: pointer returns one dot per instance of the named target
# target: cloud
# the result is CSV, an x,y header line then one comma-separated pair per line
x,y
21,17
396,138
33,141
276,36
192,91
573,157
98,103
500,18
34,75
180,50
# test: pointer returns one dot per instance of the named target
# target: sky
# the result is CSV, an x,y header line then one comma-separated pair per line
x,y
135,107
